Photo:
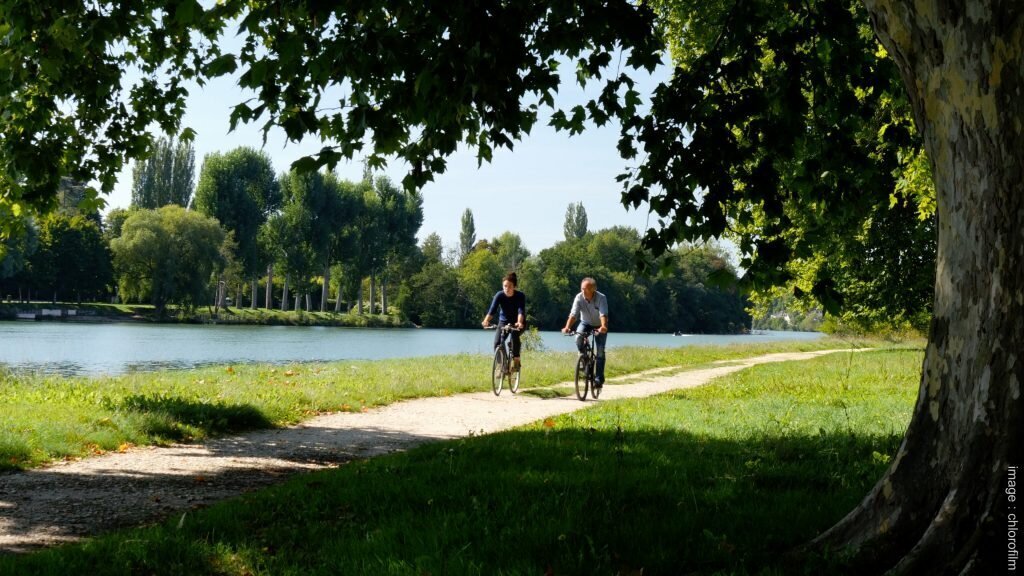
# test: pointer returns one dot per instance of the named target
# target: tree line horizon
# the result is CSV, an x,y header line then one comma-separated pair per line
x,y
311,241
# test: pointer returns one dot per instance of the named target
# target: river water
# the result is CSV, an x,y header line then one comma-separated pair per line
x,y
93,349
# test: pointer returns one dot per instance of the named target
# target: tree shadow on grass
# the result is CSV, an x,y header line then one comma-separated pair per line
x,y
561,501
66,503
178,419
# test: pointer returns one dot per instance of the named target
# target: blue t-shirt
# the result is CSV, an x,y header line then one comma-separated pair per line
x,y
509,306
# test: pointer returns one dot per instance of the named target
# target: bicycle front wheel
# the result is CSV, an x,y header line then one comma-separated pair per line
x,y
592,379
513,384
498,370
581,378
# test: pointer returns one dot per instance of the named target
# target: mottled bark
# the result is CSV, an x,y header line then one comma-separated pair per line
x,y
384,295
360,299
941,506
254,295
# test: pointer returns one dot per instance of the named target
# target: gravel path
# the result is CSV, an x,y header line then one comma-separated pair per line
x,y
71,500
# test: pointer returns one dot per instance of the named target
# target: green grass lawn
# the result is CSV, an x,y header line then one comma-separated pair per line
x,y
48,418
714,480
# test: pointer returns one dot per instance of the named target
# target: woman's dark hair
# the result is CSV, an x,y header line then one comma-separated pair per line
x,y
511,277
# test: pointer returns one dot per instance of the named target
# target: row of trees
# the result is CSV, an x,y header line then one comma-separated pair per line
x,y
454,288
314,241
310,235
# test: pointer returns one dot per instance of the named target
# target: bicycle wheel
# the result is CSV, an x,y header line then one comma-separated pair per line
x,y
581,378
498,370
513,384
591,378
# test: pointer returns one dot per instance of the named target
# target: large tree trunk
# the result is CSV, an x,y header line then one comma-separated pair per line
x,y
360,298
337,303
383,295
254,295
942,506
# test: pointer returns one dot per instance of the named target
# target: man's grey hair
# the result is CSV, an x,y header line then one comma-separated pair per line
x,y
589,280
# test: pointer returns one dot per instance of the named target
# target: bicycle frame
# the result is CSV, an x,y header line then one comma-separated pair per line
x,y
501,370
586,365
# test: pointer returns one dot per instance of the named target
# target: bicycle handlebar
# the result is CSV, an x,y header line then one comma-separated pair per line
x,y
506,328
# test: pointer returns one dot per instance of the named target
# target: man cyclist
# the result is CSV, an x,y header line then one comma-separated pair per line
x,y
591,307
510,304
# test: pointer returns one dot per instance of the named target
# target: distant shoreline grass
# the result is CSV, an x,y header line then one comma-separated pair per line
x,y
48,418
98,312
721,479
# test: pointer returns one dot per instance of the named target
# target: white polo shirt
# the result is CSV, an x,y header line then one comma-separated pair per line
x,y
590,312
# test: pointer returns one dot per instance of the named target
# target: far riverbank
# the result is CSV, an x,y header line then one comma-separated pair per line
x,y
106,313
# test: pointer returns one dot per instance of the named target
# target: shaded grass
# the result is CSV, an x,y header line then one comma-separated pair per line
x,y
713,480
44,418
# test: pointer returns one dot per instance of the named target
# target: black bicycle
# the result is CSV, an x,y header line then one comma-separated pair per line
x,y
502,370
586,366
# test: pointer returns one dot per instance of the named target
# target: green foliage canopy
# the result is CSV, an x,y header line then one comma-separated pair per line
x,y
168,256
165,176
239,189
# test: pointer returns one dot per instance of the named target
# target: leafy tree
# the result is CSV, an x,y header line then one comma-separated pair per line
x,y
479,278
239,189
168,256
16,252
467,235
72,258
575,221
166,176
432,248
510,250
782,116
403,216
431,297
304,231
114,222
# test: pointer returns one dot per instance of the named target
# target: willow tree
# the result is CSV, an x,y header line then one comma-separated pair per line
x,y
419,79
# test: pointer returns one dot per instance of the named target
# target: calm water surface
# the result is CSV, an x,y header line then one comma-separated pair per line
x,y
91,349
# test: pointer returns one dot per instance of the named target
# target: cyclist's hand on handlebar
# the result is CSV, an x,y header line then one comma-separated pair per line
x,y
602,330
565,330
519,325
485,324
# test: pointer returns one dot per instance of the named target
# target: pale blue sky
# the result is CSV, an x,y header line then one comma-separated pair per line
x,y
525,190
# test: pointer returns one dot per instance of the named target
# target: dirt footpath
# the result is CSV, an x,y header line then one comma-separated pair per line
x,y
72,500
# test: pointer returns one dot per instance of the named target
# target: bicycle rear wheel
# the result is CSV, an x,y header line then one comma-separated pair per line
x,y
581,378
498,370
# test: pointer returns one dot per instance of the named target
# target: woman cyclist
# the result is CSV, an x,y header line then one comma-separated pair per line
x,y
510,304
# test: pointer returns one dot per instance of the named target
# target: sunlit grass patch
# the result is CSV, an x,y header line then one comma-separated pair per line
x,y
719,479
52,417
